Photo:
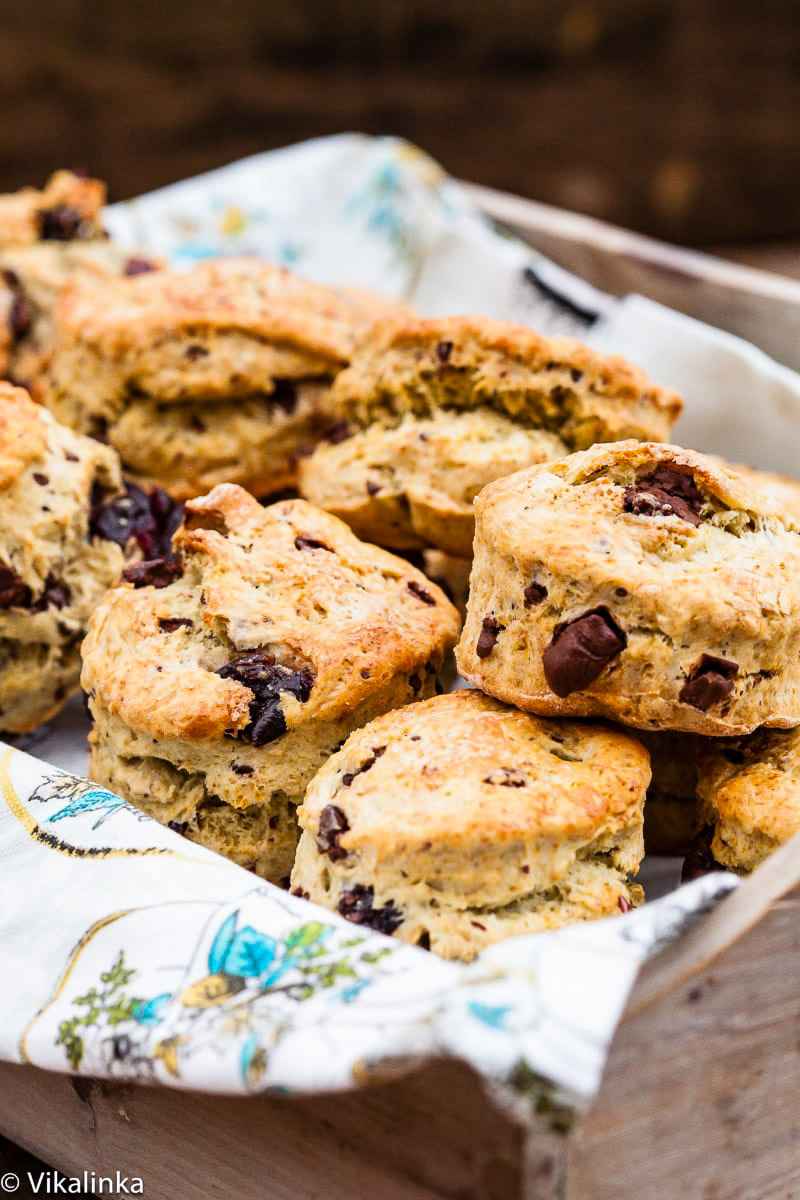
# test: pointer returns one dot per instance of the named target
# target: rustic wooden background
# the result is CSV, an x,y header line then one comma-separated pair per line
x,y
680,118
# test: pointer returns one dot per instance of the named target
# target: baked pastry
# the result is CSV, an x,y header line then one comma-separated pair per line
x,y
48,238
636,581
55,562
68,208
749,791
218,375
219,684
671,818
779,489
458,822
450,574
436,409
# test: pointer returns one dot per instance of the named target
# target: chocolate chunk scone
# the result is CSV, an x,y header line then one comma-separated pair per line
x,y
433,410
219,684
48,238
640,582
55,563
218,375
458,822
749,791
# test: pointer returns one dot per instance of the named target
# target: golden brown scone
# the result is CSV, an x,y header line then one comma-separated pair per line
x,y
749,791
779,489
68,208
55,564
218,688
636,581
458,822
671,818
218,375
436,409
31,279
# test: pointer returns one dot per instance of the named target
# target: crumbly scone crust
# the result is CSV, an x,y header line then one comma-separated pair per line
x,y
364,630
220,351
21,212
779,489
437,409
31,278
749,791
54,571
471,821
704,611
413,485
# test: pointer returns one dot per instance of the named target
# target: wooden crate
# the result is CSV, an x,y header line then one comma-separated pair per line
x,y
697,1100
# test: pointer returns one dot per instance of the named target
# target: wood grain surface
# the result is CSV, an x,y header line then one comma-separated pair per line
x,y
680,118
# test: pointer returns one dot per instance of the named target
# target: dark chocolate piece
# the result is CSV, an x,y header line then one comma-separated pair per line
x,y
581,650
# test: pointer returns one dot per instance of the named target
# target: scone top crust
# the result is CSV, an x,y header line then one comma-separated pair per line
x,y
462,768
161,333
686,581
462,798
419,366
285,596
23,433
750,787
68,208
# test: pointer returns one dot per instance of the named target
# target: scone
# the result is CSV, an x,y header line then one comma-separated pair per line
x,y
47,238
220,683
218,375
458,822
781,490
450,574
436,409
640,582
671,818
749,791
55,562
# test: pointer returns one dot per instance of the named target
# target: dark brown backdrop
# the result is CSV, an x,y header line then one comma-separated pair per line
x,y
677,117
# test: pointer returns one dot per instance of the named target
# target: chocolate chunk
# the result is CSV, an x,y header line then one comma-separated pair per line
x,y
623,904
55,595
70,457
195,351
710,682
424,940
10,278
356,905
14,593
338,432
178,826
700,857
508,777
302,893
267,679
306,543
372,488
155,572
284,394
534,593
139,266
576,374
170,624
443,351
377,751
332,824
414,682
20,317
580,650
241,769
490,630
665,492
149,517
41,479
61,223
417,590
